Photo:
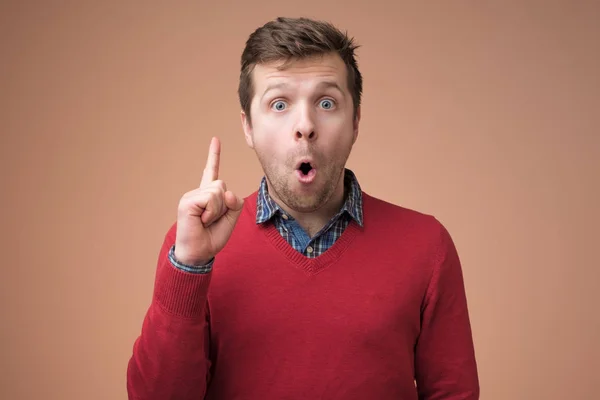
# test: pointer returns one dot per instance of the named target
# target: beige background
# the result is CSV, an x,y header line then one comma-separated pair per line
x,y
482,113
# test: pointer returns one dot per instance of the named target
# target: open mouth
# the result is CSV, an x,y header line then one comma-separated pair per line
x,y
306,172
305,168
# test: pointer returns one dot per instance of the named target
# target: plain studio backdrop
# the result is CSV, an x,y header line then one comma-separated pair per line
x,y
484,114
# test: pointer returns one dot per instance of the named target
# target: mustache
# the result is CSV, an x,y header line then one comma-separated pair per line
x,y
304,153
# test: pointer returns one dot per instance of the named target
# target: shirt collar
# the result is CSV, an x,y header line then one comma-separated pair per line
x,y
266,207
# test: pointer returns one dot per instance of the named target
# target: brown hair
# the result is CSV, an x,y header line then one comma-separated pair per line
x,y
287,39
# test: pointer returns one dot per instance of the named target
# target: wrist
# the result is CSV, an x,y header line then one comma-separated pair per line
x,y
180,256
182,259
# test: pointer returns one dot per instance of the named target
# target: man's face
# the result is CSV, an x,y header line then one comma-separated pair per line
x,y
302,129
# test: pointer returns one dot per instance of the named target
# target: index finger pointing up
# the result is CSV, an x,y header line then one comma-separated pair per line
x,y
211,171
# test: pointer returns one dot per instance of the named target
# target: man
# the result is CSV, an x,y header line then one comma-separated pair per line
x,y
308,288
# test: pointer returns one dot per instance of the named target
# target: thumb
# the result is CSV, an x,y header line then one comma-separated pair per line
x,y
234,204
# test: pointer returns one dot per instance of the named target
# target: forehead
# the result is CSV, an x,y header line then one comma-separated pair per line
x,y
307,72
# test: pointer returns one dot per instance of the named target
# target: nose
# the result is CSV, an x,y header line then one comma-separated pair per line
x,y
305,128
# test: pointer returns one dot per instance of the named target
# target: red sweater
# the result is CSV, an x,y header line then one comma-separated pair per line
x,y
383,308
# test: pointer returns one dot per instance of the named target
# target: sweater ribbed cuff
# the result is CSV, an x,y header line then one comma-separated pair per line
x,y
181,293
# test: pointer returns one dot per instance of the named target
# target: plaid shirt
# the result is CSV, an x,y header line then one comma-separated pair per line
x,y
268,210
292,232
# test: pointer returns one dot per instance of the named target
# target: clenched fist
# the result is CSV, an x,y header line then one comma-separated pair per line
x,y
207,215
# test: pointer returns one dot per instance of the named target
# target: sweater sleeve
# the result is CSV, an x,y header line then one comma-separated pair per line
x,y
445,366
170,356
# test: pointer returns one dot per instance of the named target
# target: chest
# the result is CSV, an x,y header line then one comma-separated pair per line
x,y
375,307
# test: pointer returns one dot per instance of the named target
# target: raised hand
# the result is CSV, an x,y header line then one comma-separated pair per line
x,y
207,215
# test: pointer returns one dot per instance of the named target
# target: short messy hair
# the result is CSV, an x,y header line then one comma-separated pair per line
x,y
287,39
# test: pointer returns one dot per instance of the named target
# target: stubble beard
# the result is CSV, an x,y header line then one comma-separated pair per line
x,y
281,182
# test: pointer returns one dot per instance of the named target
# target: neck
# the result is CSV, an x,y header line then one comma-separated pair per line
x,y
312,222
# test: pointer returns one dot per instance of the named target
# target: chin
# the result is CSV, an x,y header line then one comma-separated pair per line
x,y
307,203
303,198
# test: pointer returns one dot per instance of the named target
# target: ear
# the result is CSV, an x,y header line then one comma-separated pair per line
x,y
247,127
356,123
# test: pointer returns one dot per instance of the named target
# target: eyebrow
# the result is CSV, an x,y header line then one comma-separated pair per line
x,y
321,86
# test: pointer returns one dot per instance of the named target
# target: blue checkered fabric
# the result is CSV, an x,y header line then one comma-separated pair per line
x,y
268,210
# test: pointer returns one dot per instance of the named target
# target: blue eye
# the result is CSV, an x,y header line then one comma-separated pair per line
x,y
278,106
327,104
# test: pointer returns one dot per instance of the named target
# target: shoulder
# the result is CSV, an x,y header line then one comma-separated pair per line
x,y
377,208
396,220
